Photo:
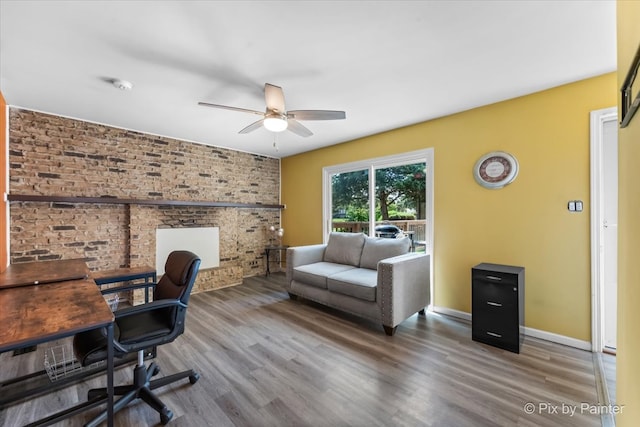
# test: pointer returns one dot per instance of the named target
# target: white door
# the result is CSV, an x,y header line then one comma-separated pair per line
x,y
604,228
610,231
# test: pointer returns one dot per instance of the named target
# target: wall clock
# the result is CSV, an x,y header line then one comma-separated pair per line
x,y
495,170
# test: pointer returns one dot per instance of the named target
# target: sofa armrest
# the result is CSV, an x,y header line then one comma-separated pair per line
x,y
303,255
404,287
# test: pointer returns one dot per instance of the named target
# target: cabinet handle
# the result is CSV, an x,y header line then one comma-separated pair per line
x,y
494,278
493,334
495,304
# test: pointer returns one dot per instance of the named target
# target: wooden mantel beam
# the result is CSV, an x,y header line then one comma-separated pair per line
x,y
153,202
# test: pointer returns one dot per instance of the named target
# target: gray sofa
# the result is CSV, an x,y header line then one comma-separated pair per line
x,y
375,278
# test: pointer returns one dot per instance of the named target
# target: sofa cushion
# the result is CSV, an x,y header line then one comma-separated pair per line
x,y
316,274
344,248
357,282
379,248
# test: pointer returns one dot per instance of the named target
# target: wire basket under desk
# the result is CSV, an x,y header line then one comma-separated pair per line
x,y
60,362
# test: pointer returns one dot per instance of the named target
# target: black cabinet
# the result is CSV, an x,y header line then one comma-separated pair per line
x,y
497,305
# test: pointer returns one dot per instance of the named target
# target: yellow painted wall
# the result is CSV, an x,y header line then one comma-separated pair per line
x,y
628,366
526,223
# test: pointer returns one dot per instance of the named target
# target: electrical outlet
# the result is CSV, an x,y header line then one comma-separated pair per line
x,y
578,205
571,206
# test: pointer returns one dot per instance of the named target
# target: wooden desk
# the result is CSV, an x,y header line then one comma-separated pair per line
x,y
34,273
35,314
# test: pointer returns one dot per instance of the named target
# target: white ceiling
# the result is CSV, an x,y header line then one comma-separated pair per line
x,y
386,63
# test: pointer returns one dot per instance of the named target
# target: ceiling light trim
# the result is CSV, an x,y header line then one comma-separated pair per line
x,y
275,122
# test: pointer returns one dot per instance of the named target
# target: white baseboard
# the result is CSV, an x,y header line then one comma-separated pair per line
x,y
451,312
557,338
529,332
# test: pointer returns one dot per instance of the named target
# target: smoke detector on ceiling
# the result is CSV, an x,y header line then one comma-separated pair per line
x,y
122,84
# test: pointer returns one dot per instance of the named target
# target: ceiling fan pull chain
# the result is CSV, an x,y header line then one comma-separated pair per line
x,y
275,141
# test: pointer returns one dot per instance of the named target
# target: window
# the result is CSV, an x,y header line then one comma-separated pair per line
x,y
376,196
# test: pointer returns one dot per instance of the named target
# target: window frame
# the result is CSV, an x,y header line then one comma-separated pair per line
x,y
419,156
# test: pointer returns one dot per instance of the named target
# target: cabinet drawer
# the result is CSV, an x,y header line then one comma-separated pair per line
x,y
498,338
494,294
495,277
497,331
500,321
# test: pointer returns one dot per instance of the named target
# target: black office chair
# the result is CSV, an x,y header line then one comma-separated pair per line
x,y
141,327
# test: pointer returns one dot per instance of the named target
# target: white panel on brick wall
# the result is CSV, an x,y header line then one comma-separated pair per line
x,y
203,242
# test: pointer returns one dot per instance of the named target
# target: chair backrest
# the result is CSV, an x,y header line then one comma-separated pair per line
x,y
180,273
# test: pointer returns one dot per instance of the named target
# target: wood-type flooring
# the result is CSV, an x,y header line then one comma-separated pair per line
x,y
265,360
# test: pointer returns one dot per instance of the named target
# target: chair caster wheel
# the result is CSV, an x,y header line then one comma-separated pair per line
x,y
194,378
166,416
156,370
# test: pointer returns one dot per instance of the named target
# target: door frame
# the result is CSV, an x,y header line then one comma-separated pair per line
x,y
598,119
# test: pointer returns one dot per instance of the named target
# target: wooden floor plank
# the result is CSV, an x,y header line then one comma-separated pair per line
x,y
265,360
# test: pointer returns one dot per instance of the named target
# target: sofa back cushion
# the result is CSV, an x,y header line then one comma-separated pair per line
x,y
344,248
379,248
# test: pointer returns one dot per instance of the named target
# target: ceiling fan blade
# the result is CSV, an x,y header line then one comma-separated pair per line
x,y
298,128
253,126
274,98
226,107
316,115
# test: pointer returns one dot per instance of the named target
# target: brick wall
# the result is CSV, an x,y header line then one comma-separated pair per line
x,y
52,155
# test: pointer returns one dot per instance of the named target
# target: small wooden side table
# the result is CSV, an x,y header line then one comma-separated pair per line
x,y
277,249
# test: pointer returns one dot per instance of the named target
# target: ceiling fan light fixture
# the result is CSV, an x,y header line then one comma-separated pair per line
x,y
275,123
275,118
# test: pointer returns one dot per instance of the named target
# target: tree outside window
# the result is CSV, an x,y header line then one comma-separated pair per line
x,y
399,193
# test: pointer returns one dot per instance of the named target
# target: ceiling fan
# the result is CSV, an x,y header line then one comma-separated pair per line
x,y
276,118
